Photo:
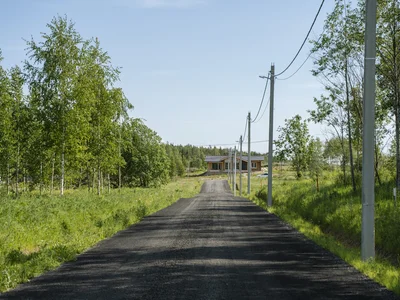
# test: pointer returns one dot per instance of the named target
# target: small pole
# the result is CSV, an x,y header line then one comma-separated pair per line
x,y
271,135
240,166
248,155
231,160
229,166
234,173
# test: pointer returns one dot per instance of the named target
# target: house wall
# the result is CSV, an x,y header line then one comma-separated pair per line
x,y
257,168
222,166
209,167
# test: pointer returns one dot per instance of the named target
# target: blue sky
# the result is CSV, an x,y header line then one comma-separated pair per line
x,y
189,67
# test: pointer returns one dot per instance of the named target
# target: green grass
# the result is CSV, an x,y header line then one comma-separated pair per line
x,y
39,233
332,218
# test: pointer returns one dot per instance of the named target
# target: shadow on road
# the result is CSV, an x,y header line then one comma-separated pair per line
x,y
213,246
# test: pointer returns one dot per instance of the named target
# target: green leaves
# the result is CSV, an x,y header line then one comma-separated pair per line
x,y
146,158
293,143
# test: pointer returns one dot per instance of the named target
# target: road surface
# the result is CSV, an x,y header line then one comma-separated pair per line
x,y
212,246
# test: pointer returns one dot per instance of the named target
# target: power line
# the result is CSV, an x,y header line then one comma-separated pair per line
x,y
262,100
213,145
301,47
245,127
256,142
265,109
303,61
231,144
297,69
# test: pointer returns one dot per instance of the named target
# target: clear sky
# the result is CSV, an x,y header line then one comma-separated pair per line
x,y
189,67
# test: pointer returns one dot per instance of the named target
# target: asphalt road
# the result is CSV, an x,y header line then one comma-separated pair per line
x,y
213,246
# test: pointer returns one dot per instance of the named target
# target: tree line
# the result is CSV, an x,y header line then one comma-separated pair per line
x,y
65,124
338,56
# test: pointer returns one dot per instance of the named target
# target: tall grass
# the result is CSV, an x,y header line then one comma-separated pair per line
x,y
38,233
332,218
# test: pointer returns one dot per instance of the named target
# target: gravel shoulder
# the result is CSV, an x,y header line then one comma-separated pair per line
x,y
212,246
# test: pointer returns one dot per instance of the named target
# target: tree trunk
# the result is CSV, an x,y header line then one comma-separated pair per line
x,y
343,157
317,184
88,179
376,165
98,181
397,118
119,178
17,173
109,183
80,178
94,179
41,178
102,182
8,178
25,180
119,163
52,176
62,173
349,128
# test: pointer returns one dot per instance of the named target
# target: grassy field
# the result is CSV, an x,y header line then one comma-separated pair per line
x,y
39,233
332,218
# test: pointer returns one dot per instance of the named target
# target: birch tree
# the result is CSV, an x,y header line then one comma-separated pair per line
x,y
52,72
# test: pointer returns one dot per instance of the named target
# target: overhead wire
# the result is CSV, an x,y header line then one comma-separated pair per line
x,y
231,144
256,142
306,38
265,109
298,69
245,128
213,145
255,120
262,100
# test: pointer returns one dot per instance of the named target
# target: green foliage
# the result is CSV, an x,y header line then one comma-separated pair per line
x,y
388,45
73,127
146,158
293,143
29,246
315,156
332,217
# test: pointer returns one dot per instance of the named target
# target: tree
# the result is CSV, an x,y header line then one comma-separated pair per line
x,y
340,65
180,168
316,160
16,93
146,158
108,104
293,143
388,67
331,113
6,126
52,82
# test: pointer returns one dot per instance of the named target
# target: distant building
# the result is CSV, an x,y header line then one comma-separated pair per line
x,y
334,161
220,164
